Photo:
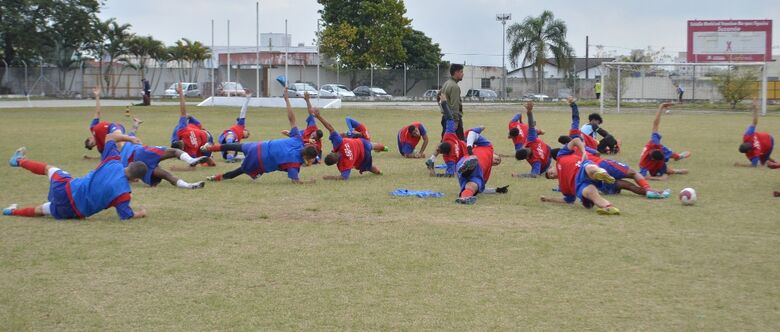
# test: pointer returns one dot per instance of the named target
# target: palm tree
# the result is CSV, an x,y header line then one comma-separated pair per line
x,y
178,53
143,48
532,40
197,54
110,41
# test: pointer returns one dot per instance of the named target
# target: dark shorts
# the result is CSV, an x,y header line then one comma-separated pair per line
x,y
150,155
368,162
61,207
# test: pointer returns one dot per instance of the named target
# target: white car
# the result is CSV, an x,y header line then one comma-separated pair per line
x,y
336,91
190,90
298,89
536,97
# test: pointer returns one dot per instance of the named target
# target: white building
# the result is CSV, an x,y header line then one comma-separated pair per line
x,y
551,70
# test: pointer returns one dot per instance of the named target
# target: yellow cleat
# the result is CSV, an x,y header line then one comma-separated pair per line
x,y
609,211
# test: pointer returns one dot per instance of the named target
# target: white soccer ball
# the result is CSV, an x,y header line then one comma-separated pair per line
x,y
688,196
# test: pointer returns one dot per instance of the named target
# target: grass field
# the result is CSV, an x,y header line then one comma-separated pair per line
x,y
268,255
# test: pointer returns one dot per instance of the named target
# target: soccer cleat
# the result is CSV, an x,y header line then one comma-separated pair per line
x,y
18,154
205,147
609,211
503,190
651,194
385,149
9,211
466,200
198,160
469,165
198,185
684,154
429,164
602,175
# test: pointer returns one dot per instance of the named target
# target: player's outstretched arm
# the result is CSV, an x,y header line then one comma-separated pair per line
x,y
657,121
290,113
96,91
119,137
182,104
421,154
325,123
755,112
307,98
529,111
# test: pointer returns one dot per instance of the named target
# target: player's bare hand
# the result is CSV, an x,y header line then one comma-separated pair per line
x,y
179,89
306,96
135,140
543,199
571,100
529,106
96,91
442,97
666,105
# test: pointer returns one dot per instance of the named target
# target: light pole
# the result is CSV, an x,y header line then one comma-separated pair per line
x,y
503,18
318,57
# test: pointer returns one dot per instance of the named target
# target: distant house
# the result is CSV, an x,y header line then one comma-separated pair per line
x,y
551,69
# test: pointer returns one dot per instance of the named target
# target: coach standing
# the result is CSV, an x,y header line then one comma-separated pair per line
x,y
451,91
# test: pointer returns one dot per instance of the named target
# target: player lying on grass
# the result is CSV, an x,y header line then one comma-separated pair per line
x,y
474,169
535,151
348,153
106,186
189,135
451,147
579,177
312,134
408,138
236,132
655,155
757,146
284,154
574,131
518,131
100,129
132,150
608,144
356,129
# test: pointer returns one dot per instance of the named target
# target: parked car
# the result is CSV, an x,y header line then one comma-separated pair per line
x,y
298,89
535,97
481,94
232,89
190,90
430,93
365,91
335,90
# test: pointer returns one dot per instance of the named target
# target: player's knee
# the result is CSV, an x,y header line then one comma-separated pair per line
x,y
136,170
745,147
332,158
522,154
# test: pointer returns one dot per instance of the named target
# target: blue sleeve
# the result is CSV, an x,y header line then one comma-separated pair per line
x,y
656,138
643,171
754,161
575,116
182,123
532,135
564,151
310,122
294,132
124,211
450,126
451,167
477,130
592,151
351,124
518,147
569,199
292,173
194,121
109,150
241,121
750,130
423,132
94,123
536,168
516,118
336,139
345,174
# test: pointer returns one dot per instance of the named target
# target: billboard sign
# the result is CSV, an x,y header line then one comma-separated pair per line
x,y
730,41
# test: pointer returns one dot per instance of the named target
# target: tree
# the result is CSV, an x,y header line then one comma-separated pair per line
x,y
143,49
422,56
364,33
68,32
534,39
736,86
178,52
197,53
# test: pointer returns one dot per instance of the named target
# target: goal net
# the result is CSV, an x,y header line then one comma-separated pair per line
x,y
717,85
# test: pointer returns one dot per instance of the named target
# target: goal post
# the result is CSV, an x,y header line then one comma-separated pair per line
x,y
725,83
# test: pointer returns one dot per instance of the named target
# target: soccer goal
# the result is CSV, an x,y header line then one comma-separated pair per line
x,y
718,84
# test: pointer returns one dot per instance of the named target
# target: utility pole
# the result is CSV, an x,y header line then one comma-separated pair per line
x,y
503,18
586,57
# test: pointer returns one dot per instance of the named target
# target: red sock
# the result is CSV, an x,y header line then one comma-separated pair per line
x,y
215,148
33,166
379,147
675,156
466,193
218,177
24,212
643,183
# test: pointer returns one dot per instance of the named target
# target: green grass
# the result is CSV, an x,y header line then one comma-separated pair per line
x,y
268,255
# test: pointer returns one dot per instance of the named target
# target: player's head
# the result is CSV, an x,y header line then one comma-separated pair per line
x,y
332,158
413,131
745,147
657,155
608,145
246,133
563,139
595,118
551,173
554,153
89,143
496,159
318,134
445,148
514,132
309,154
522,154
456,71
135,171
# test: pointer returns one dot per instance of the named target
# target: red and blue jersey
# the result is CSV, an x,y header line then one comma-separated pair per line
x,y
192,138
355,126
763,143
457,147
100,129
540,153
575,129
653,167
274,155
104,187
481,174
310,132
407,143
234,134
522,129
149,155
568,166
355,153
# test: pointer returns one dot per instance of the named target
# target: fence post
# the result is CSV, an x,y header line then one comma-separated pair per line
x,y
618,88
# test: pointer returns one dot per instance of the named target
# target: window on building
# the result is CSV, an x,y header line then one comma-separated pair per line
x,y
485,83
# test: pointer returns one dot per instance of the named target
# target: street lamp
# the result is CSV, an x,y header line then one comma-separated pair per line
x,y
503,18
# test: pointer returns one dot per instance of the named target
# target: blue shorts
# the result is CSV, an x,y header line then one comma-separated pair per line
x,y
609,189
368,162
404,148
59,198
150,155
252,164
616,169
582,181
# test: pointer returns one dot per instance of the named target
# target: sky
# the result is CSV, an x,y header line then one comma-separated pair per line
x,y
466,30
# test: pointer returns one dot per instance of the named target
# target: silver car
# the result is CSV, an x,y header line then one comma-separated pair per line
x,y
336,91
190,90
298,89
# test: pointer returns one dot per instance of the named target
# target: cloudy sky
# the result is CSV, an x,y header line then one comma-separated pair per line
x,y
466,30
